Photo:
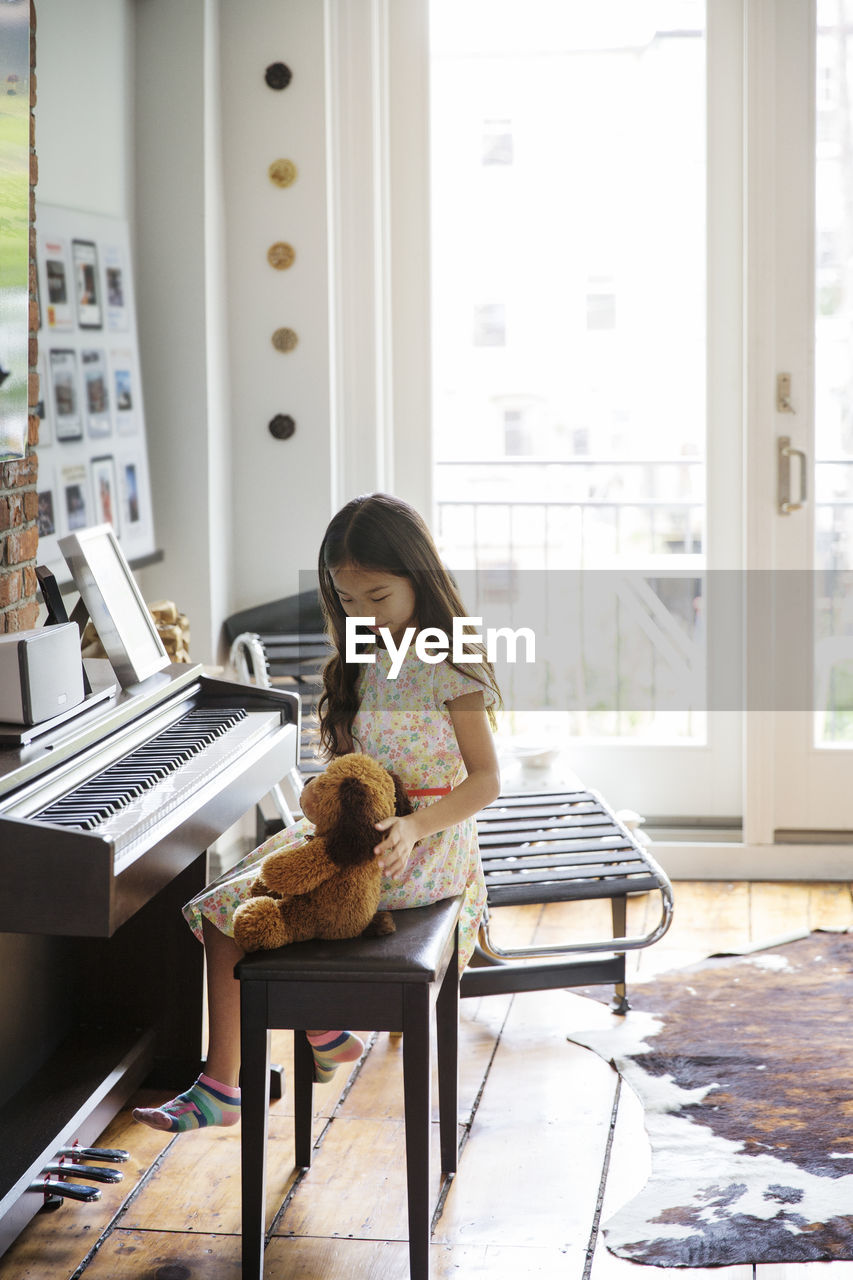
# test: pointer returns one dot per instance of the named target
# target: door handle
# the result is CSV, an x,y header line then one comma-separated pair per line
x,y
784,453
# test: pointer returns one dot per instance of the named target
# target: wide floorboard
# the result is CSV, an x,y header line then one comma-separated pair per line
x,y
534,1118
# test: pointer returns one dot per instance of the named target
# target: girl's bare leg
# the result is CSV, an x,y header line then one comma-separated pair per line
x,y
223,1005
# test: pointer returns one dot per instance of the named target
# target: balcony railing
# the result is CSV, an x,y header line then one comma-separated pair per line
x,y
569,513
647,516
625,652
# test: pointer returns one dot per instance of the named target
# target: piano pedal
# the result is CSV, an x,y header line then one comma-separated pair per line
x,y
56,1190
75,1170
113,1155
54,1183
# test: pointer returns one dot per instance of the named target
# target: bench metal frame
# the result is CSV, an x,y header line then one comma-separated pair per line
x,y
561,846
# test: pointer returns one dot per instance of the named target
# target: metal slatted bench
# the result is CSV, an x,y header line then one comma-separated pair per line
x,y
561,846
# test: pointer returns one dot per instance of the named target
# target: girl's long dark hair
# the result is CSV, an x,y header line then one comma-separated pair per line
x,y
383,534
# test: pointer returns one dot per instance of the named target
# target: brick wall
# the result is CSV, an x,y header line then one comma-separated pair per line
x,y
18,491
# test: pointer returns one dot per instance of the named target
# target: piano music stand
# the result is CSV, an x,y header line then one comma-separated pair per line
x,y
118,611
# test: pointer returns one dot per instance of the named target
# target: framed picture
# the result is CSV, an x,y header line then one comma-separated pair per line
x,y
67,416
93,430
96,393
124,396
117,294
104,490
75,494
84,259
109,591
47,510
14,231
59,311
130,489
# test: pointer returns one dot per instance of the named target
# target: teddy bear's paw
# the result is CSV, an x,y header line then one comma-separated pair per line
x,y
258,925
258,889
381,925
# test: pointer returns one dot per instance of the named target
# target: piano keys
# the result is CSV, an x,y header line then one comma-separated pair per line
x,y
93,824
104,827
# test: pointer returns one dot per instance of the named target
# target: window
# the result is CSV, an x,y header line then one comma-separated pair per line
x,y
580,98
490,325
600,309
497,142
517,439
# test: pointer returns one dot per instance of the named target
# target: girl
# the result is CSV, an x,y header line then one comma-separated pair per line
x,y
431,725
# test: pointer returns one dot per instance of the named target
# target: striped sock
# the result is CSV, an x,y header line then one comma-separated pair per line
x,y
330,1049
207,1102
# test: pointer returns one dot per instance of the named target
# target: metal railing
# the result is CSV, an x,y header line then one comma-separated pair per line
x,y
531,513
511,515
569,513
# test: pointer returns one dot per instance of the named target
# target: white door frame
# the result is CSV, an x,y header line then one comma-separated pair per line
x,y
756,110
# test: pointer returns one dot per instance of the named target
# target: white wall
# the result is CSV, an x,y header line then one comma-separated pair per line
x,y
237,512
178,250
282,490
139,117
159,112
84,114
124,97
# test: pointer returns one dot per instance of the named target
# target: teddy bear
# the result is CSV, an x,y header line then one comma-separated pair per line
x,y
327,886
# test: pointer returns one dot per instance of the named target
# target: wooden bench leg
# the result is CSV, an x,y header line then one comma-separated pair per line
x,y
303,1099
255,1067
417,1081
447,1027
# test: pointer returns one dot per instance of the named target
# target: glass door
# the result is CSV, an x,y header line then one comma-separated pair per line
x,y
815,540
586,250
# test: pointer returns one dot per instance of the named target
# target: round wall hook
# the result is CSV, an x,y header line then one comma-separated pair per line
x,y
283,173
285,339
282,426
278,75
281,255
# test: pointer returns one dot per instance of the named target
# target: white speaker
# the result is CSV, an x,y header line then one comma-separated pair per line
x,y
41,673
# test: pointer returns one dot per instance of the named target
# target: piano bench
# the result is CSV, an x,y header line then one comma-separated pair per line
x,y
381,984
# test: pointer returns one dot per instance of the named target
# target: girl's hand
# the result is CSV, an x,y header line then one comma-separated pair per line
x,y
395,850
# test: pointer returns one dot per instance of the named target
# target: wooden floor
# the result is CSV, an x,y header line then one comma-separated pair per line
x,y
535,1114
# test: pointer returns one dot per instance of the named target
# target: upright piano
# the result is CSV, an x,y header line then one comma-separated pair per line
x,y
105,823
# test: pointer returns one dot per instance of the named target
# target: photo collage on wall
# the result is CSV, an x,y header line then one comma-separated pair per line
x,y
93,462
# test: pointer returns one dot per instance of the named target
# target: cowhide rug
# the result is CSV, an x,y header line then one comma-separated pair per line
x,y
744,1066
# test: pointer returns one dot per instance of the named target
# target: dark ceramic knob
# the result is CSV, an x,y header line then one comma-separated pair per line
x,y
282,426
278,76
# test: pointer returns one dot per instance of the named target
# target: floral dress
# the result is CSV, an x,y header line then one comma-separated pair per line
x,y
405,725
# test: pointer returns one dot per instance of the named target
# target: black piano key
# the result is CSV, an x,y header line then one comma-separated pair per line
x,y
90,804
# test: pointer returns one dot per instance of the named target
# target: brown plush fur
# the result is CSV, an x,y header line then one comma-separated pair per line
x,y
328,886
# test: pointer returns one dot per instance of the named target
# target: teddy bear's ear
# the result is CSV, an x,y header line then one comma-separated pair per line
x,y
402,803
353,837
